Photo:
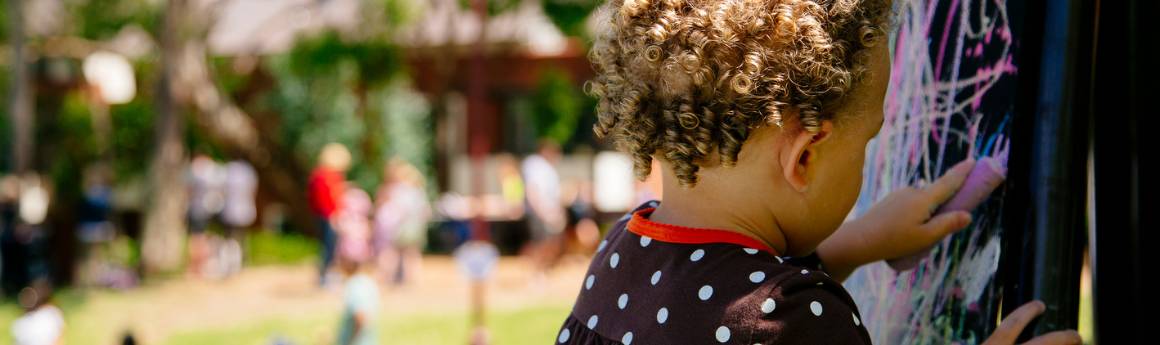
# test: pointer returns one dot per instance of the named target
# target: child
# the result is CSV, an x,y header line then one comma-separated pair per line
x,y
42,322
325,187
360,303
353,224
400,222
759,112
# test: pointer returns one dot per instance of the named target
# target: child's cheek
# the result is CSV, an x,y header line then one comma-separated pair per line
x,y
851,184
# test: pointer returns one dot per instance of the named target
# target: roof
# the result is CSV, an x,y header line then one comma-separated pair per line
x,y
271,26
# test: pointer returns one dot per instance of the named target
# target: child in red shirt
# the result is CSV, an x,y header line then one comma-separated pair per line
x,y
759,112
324,189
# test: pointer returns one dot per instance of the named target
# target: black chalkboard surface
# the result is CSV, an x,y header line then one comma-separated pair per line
x,y
952,94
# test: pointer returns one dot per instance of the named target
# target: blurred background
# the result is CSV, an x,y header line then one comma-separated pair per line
x,y
299,171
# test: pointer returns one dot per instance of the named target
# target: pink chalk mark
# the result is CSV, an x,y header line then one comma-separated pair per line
x,y
975,103
942,46
1006,65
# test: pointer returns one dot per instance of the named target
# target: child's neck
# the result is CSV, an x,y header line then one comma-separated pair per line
x,y
721,206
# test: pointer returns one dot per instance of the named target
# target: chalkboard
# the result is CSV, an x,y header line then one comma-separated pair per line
x,y
951,97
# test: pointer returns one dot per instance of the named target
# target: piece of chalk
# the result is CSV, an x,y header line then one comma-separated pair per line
x,y
983,179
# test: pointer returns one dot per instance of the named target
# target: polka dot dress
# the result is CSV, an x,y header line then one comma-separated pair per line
x,y
652,283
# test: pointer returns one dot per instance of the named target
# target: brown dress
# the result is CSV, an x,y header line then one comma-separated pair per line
x,y
653,283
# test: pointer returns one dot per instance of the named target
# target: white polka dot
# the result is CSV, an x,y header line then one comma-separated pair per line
x,y
819,283
697,255
705,292
614,260
856,321
768,306
722,334
757,277
652,203
656,277
592,322
588,283
602,245
662,315
816,308
627,338
622,301
564,335
779,260
805,271
750,251
645,240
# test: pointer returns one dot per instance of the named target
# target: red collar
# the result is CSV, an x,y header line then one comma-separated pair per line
x,y
641,225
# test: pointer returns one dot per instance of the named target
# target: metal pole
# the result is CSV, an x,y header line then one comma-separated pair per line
x,y
479,145
1045,217
1121,105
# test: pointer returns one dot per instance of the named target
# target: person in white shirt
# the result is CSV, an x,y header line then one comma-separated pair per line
x,y
42,322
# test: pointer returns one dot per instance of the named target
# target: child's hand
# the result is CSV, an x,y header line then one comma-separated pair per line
x,y
1014,323
899,225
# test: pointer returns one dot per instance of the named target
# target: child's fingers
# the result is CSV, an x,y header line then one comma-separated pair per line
x,y
1066,337
945,224
1014,323
944,187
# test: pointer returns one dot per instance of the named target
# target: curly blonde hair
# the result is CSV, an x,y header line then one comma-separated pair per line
x,y
683,79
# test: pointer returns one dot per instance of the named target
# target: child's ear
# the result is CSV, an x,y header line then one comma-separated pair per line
x,y
799,156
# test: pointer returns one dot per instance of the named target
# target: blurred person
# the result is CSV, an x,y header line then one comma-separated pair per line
x,y
401,222
42,322
93,225
360,303
546,215
511,185
94,230
327,183
352,222
238,211
205,200
581,231
22,243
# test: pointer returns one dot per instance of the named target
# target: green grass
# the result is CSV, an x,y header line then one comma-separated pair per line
x,y
536,325
532,325
270,248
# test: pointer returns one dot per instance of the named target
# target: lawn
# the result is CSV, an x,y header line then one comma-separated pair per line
x,y
283,302
536,325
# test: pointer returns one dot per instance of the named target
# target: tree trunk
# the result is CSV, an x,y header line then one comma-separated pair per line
x,y
164,232
20,92
234,130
